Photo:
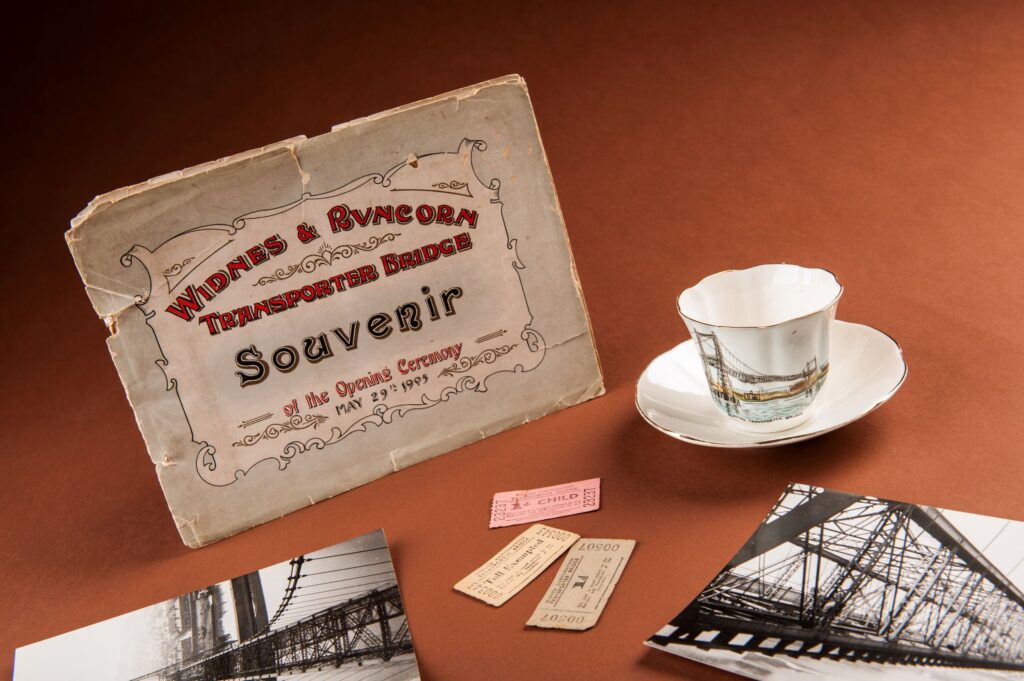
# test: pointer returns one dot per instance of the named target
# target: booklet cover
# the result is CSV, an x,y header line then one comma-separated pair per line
x,y
331,614
304,318
845,586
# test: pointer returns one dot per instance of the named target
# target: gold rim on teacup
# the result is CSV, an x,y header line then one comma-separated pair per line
x,y
833,301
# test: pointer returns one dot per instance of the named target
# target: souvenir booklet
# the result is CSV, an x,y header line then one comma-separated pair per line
x,y
845,586
333,614
303,318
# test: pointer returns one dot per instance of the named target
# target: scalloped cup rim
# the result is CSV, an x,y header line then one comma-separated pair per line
x,y
723,273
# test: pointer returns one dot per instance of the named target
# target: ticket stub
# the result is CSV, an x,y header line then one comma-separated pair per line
x,y
531,505
516,565
583,584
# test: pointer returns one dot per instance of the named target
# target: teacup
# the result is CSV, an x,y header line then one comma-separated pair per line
x,y
763,336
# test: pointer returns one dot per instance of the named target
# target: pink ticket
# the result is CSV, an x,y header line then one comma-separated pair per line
x,y
531,505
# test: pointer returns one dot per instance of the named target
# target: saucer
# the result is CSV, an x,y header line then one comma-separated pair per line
x,y
867,369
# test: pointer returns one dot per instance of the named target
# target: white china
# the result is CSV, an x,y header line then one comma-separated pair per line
x,y
867,368
763,336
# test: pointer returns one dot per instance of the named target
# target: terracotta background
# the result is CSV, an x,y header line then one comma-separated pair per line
x,y
884,141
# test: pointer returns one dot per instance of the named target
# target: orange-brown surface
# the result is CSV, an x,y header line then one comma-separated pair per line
x,y
884,141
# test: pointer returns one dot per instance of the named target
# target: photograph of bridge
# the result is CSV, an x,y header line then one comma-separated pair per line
x,y
842,586
331,615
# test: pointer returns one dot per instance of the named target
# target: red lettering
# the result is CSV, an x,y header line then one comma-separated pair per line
x,y
261,308
403,214
338,217
306,233
238,265
390,263
275,245
445,213
323,289
257,255
187,305
362,218
244,315
277,303
431,252
211,323
218,281
337,283
468,215
368,273
425,214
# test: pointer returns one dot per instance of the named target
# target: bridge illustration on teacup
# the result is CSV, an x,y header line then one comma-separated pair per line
x,y
752,395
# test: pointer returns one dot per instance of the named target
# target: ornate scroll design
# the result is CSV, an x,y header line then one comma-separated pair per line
x,y
325,256
207,456
175,270
453,185
534,341
303,432
275,429
488,356
381,415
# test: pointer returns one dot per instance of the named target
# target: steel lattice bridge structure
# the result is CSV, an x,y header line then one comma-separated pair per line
x,y
336,609
838,576
722,367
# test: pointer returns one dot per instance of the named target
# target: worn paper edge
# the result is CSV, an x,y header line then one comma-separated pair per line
x,y
192,536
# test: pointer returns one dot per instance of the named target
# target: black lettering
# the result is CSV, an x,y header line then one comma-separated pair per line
x,y
252,359
316,348
447,296
351,339
285,358
431,303
379,325
408,317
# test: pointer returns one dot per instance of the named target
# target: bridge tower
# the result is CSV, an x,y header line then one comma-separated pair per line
x,y
715,360
250,605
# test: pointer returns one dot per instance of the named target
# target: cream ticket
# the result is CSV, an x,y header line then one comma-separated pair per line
x,y
531,505
516,565
583,584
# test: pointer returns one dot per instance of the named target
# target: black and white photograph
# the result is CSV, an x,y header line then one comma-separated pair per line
x,y
841,586
331,615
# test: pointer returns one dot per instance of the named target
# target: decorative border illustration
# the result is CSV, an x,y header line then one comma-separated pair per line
x,y
382,414
455,187
326,256
491,336
488,356
175,270
275,429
